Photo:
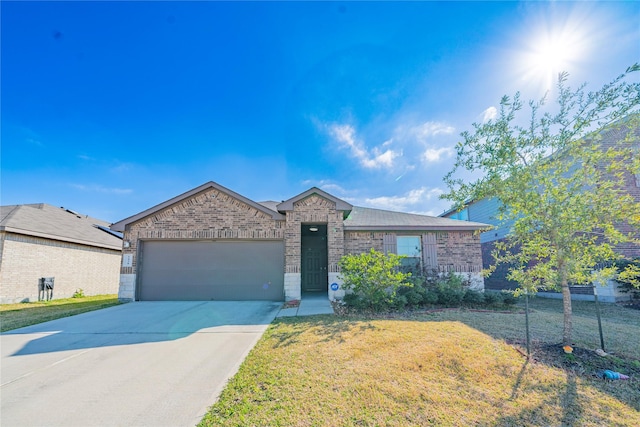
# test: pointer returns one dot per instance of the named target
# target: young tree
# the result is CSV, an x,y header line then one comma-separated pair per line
x,y
559,187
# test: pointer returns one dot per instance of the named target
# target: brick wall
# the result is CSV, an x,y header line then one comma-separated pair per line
x,y
210,214
314,210
25,259
460,250
357,242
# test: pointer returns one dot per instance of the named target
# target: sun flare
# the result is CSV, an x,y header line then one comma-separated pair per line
x,y
553,46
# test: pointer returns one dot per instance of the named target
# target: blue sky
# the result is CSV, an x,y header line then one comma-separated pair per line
x,y
109,108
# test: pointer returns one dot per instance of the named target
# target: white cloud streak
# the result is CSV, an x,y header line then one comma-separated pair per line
x,y
413,201
375,158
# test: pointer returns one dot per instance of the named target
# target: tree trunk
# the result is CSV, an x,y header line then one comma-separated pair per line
x,y
566,308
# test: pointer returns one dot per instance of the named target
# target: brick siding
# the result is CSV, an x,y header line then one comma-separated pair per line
x,y
25,259
358,242
458,251
210,214
314,210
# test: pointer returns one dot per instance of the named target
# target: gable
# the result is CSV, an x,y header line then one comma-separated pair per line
x,y
314,195
209,201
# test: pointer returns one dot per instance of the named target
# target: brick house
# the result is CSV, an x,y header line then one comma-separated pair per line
x,y
40,240
486,211
212,243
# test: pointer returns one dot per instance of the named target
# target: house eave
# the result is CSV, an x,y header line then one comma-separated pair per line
x,y
413,228
48,236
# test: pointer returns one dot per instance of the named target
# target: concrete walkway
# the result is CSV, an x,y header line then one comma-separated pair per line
x,y
310,304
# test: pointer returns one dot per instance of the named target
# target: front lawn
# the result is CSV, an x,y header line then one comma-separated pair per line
x,y
452,367
13,316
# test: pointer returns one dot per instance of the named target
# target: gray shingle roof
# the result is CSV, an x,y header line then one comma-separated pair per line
x,y
377,219
270,204
54,223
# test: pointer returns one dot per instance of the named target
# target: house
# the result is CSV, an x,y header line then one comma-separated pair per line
x,y
212,243
40,240
486,211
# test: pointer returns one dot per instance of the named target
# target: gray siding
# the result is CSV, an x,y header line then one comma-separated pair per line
x,y
486,210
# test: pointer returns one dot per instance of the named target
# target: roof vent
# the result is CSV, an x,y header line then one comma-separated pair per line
x,y
72,212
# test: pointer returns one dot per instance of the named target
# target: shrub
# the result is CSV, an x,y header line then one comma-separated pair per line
x,y
353,300
399,302
374,278
508,298
79,293
430,296
473,297
450,296
629,277
493,298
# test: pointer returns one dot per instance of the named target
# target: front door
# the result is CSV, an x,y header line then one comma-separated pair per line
x,y
314,258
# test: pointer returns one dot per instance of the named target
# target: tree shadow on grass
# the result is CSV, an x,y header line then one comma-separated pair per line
x,y
516,386
328,328
572,410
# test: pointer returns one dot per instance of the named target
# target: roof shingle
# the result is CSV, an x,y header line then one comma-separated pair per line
x,y
54,223
377,219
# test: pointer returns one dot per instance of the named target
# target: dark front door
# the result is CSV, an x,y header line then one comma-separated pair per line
x,y
314,258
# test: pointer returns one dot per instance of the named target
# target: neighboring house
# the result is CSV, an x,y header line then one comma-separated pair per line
x,y
40,240
212,243
486,210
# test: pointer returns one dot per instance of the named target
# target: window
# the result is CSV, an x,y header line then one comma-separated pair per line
x,y
411,247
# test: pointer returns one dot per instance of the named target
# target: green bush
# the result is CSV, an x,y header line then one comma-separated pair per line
x,y
79,293
508,298
430,296
374,278
353,300
492,298
413,295
473,297
399,302
629,277
450,296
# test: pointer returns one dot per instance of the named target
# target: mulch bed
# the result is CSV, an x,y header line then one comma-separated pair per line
x,y
581,362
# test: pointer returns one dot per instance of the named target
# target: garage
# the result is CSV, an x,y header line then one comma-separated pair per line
x,y
227,270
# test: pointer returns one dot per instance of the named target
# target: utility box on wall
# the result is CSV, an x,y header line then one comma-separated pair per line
x,y
45,288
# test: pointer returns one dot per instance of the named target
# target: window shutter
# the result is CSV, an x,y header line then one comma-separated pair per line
x,y
389,245
429,250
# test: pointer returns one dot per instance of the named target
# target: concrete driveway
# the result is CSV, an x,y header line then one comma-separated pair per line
x,y
137,364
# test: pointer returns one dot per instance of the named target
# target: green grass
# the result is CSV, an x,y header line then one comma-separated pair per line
x,y
453,368
13,316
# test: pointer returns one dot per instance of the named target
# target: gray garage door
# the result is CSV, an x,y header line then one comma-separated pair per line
x,y
205,270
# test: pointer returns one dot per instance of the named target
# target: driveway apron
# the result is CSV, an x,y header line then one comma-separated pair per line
x,y
136,364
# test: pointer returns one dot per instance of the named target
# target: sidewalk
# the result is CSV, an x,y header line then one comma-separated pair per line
x,y
309,305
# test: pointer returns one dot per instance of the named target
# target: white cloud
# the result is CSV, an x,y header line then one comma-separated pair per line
x,y
94,188
122,167
432,155
376,158
489,114
424,131
413,201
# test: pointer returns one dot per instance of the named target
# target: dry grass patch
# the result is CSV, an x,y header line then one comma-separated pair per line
x,y
14,316
328,371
